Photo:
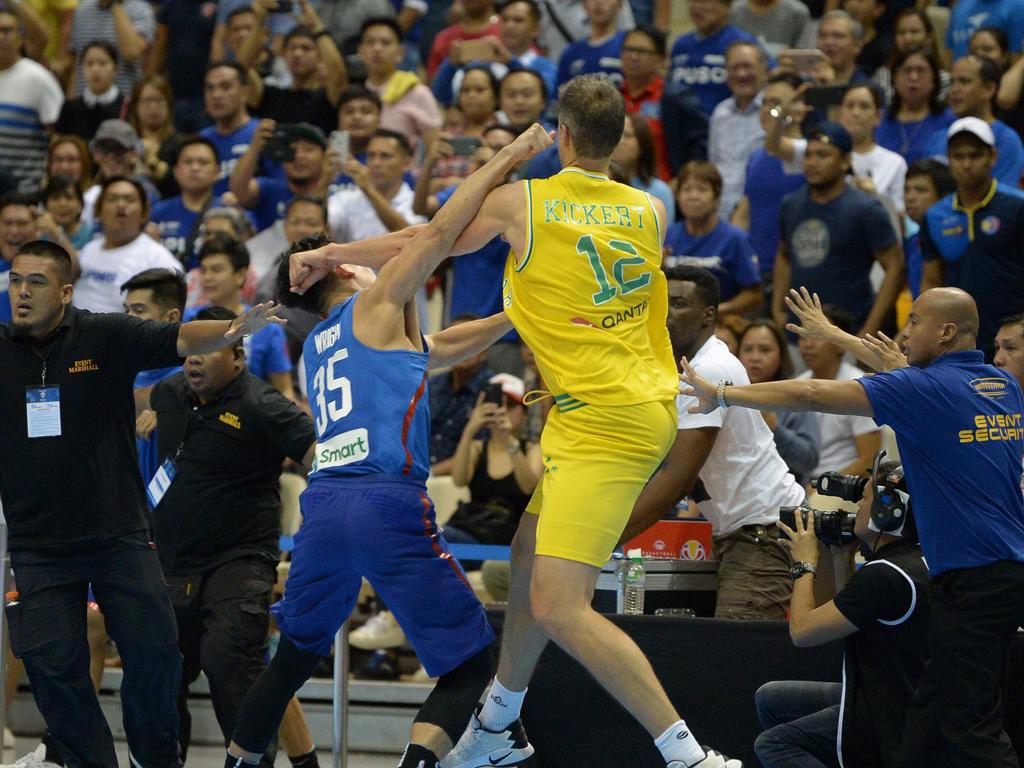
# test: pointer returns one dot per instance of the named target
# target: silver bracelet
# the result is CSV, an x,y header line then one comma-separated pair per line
x,y
722,384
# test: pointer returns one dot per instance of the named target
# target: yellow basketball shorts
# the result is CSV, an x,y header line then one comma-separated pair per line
x,y
597,459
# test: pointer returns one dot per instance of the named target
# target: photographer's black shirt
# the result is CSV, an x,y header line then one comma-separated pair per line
x,y
887,599
224,501
83,487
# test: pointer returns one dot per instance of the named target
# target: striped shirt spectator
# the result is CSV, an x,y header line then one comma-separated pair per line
x,y
94,20
30,102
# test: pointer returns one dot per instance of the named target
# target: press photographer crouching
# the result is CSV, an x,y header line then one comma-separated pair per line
x,y
883,614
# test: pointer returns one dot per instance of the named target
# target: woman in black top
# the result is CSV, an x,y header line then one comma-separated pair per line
x,y
500,470
100,100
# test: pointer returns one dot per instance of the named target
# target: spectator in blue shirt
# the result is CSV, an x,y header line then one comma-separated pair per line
x,y
974,238
698,57
305,173
154,294
703,240
916,111
766,182
928,181
523,97
514,48
968,16
973,85
959,427
177,219
452,397
224,92
831,235
223,264
601,52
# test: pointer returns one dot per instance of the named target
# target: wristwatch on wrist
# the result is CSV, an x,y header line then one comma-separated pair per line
x,y
799,569
775,113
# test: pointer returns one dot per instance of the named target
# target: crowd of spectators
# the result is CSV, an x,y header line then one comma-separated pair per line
x,y
793,143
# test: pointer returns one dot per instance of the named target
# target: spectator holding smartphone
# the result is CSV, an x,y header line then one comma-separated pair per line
x,y
500,470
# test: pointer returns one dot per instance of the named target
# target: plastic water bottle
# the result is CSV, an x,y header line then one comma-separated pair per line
x,y
633,599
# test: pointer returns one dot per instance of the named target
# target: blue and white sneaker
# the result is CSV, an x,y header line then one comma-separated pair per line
x,y
481,748
712,759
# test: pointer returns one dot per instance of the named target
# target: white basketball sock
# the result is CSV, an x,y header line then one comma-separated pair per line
x,y
501,707
677,743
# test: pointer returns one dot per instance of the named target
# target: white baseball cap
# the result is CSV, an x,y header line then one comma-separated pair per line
x,y
974,126
511,386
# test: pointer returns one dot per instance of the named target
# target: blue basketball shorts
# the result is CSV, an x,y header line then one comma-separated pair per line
x,y
381,527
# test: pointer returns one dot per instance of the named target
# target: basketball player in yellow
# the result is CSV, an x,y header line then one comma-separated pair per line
x,y
584,288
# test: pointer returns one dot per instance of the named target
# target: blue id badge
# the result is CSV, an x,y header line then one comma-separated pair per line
x,y
161,482
42,411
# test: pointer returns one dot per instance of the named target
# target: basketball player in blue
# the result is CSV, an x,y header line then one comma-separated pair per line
x,y
366,511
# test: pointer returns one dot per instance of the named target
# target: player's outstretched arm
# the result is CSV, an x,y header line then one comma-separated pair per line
x,y
200,337
464,340
400,278
307,267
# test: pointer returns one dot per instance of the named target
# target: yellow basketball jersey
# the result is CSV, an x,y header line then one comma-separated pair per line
x,y
588,294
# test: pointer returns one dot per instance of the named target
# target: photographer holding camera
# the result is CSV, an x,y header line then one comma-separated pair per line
x,y
949,409
301,149
883,614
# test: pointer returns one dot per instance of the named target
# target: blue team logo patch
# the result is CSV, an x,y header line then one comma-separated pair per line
x,y
990,225
992,386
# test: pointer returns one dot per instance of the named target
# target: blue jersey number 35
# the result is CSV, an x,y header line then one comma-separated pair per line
x,y
327,383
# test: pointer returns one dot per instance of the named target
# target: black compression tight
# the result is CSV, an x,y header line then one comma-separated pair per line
x,y
264,705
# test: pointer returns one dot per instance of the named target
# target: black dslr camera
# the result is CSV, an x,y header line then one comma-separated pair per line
x,y
831,528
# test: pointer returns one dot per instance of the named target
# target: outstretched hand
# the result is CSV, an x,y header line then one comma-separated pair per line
x,y
807,308
257,318
887,351
695,385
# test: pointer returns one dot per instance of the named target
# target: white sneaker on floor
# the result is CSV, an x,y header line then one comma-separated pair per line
x,y
380,632
35,759
9,740
480,748
713,759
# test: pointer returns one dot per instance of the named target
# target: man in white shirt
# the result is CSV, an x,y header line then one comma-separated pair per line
x,y
848,443
742,479
109,261
382,200
735,131
30,103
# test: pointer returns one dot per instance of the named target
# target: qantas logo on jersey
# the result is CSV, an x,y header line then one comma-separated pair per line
x,y
346,448
327,338
614,318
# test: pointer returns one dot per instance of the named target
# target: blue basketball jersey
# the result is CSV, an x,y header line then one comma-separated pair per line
x,y
370,407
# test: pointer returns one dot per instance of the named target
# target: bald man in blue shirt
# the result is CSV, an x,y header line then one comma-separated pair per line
x,y
960,430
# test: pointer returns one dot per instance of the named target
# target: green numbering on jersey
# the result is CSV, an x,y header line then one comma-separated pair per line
x,y
585,246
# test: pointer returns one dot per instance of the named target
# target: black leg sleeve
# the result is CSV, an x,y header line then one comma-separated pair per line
x,y
264,705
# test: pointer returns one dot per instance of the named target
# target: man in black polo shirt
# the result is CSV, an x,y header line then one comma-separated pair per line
x,y
883,614
217,526
973,239
76,506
